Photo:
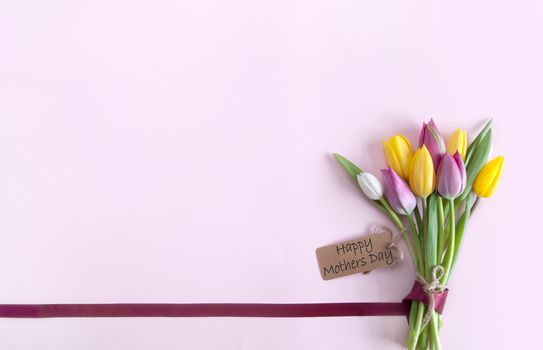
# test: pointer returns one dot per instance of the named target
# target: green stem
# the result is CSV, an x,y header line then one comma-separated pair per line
x,y
461,228
452,240
434,332
416,332
418,218
416,325
423,232
390,213
413,315
441,230
445,220
417,308
424,338
418,247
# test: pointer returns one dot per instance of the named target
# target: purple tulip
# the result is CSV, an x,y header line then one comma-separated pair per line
x,y
451,176
397,192
430,136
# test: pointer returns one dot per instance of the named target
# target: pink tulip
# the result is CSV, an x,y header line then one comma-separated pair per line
x,y
430,136
451,176
398,193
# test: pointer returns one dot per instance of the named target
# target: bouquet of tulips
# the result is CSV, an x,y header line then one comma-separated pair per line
x,y
430,195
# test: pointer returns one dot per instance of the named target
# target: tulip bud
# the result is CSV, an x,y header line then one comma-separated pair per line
x,y
370,185
398,193
486,182
432,139
422,177
451,176
458,142
398,153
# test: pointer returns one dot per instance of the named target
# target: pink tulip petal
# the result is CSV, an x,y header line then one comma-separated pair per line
x,y
397,192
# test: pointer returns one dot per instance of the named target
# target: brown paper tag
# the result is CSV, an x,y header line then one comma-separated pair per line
x,y
356,256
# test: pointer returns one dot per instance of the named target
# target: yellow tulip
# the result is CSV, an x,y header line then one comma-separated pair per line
x,y
458,142
422,176
398,153
486,182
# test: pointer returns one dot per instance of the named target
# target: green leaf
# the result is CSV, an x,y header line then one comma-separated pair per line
x,y
349,166
461,227
476,141
430,241
479,157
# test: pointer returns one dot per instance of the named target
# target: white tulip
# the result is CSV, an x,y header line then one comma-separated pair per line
x,y
370,185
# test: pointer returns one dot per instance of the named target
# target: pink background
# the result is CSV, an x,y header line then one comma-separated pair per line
x,y
179,151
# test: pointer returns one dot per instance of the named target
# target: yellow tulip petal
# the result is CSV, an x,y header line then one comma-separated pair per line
x,y
464,144
458,142
422,178
392,159
489,177
404,152
407,142
398,153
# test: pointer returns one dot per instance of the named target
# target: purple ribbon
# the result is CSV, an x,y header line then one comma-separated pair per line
x,y
222,310
417,294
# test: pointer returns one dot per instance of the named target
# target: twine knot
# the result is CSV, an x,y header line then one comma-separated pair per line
x,y
431,289
393,245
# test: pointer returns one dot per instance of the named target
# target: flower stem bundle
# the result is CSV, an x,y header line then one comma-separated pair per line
x,y
429,195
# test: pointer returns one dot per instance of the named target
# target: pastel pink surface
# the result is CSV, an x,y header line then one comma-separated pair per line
x,y
176,151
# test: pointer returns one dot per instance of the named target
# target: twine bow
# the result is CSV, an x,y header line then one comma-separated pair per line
x,y
431,289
